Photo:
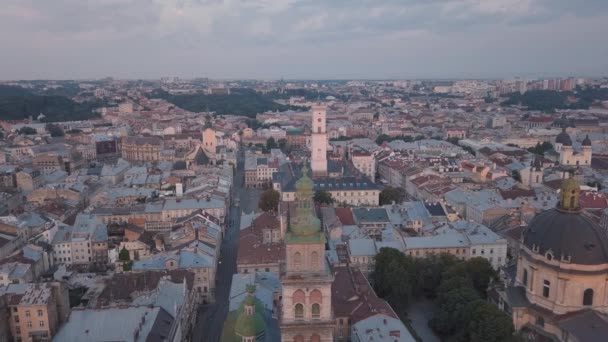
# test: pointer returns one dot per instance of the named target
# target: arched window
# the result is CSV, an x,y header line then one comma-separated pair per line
x,y
297,260
314,259
316,310
571,202
299,311
316,296
315,338
588,297
299,297
298,338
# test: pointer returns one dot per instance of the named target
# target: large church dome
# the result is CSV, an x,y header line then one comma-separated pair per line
x,y
563,138
566,233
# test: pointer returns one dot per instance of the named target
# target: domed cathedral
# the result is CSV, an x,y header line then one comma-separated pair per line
x,y
567,155
560,292
246,324
306,313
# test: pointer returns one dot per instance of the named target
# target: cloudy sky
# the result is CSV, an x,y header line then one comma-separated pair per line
x,y
64,39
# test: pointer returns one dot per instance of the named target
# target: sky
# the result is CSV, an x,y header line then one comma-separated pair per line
x,y
302,39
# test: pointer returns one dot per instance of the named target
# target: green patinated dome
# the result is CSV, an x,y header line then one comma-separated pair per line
x,y
304,184
305,223
250,323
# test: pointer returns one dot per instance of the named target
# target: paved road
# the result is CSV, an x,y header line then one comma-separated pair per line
x,y
419,313
211,317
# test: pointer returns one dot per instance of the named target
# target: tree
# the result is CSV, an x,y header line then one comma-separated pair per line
x,y
390,194
125,258
481,273
270,144
453,140
269,201
454,310
323,197
54,130
540,149
179,165
489,324
382,138
283,144
124,255
25,130
469,149
207,122
516,175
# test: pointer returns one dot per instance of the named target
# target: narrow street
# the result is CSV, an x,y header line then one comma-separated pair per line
x,y
211,317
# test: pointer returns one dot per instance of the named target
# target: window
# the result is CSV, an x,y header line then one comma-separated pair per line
x,y
540,321
316,310
299,311
40,313
546,287
314,259
525,277
27,313
29,324
41,324
16,319
588,297
297,260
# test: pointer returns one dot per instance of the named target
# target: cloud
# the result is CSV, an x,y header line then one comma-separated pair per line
x,y
300,38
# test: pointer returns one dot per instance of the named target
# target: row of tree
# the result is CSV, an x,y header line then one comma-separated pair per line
x,y
18,103
457,287
407,138
243,101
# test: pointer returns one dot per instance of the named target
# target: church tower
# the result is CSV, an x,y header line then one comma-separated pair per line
x,y
319,141
306,312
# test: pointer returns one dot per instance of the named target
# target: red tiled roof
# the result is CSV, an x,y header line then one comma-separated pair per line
x,y
345,216
253,251
593,200
353,297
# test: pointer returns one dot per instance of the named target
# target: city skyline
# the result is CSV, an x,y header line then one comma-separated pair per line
x,y
267,39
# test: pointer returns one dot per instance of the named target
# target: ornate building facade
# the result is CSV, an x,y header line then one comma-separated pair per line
x,y
306,307
560,292
567,155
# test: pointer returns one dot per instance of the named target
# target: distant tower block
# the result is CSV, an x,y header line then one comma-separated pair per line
x,y
319,141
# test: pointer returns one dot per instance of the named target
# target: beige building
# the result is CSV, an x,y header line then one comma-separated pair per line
x,y
48,163
365,163
259,170
567,155
36,313
141,148
560,292
28,180
209,143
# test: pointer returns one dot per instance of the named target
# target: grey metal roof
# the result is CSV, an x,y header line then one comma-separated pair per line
x,y
573,236
370,215
116,324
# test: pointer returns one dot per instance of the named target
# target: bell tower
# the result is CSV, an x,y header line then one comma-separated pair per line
x,y
319,141
306,312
